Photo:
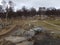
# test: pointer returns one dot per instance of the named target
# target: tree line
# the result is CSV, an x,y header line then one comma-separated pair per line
x,y
9,11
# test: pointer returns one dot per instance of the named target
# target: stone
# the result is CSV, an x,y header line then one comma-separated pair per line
x,y
15,39
4,42
17,32
26,43
29,34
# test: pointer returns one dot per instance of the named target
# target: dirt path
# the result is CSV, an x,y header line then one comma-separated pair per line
x,y
56,26
51,24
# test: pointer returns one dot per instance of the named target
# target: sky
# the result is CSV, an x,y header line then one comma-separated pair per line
x,y
35,3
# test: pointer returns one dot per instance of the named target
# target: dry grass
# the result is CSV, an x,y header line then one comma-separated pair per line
x,y
24,23
56,22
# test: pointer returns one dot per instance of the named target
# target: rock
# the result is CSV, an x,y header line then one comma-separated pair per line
x,y
38,29
4,42
33,31
15,39
1,26
29,34
17,32
26,43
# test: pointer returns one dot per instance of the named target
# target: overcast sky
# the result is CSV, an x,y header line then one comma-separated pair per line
x,y
36,3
